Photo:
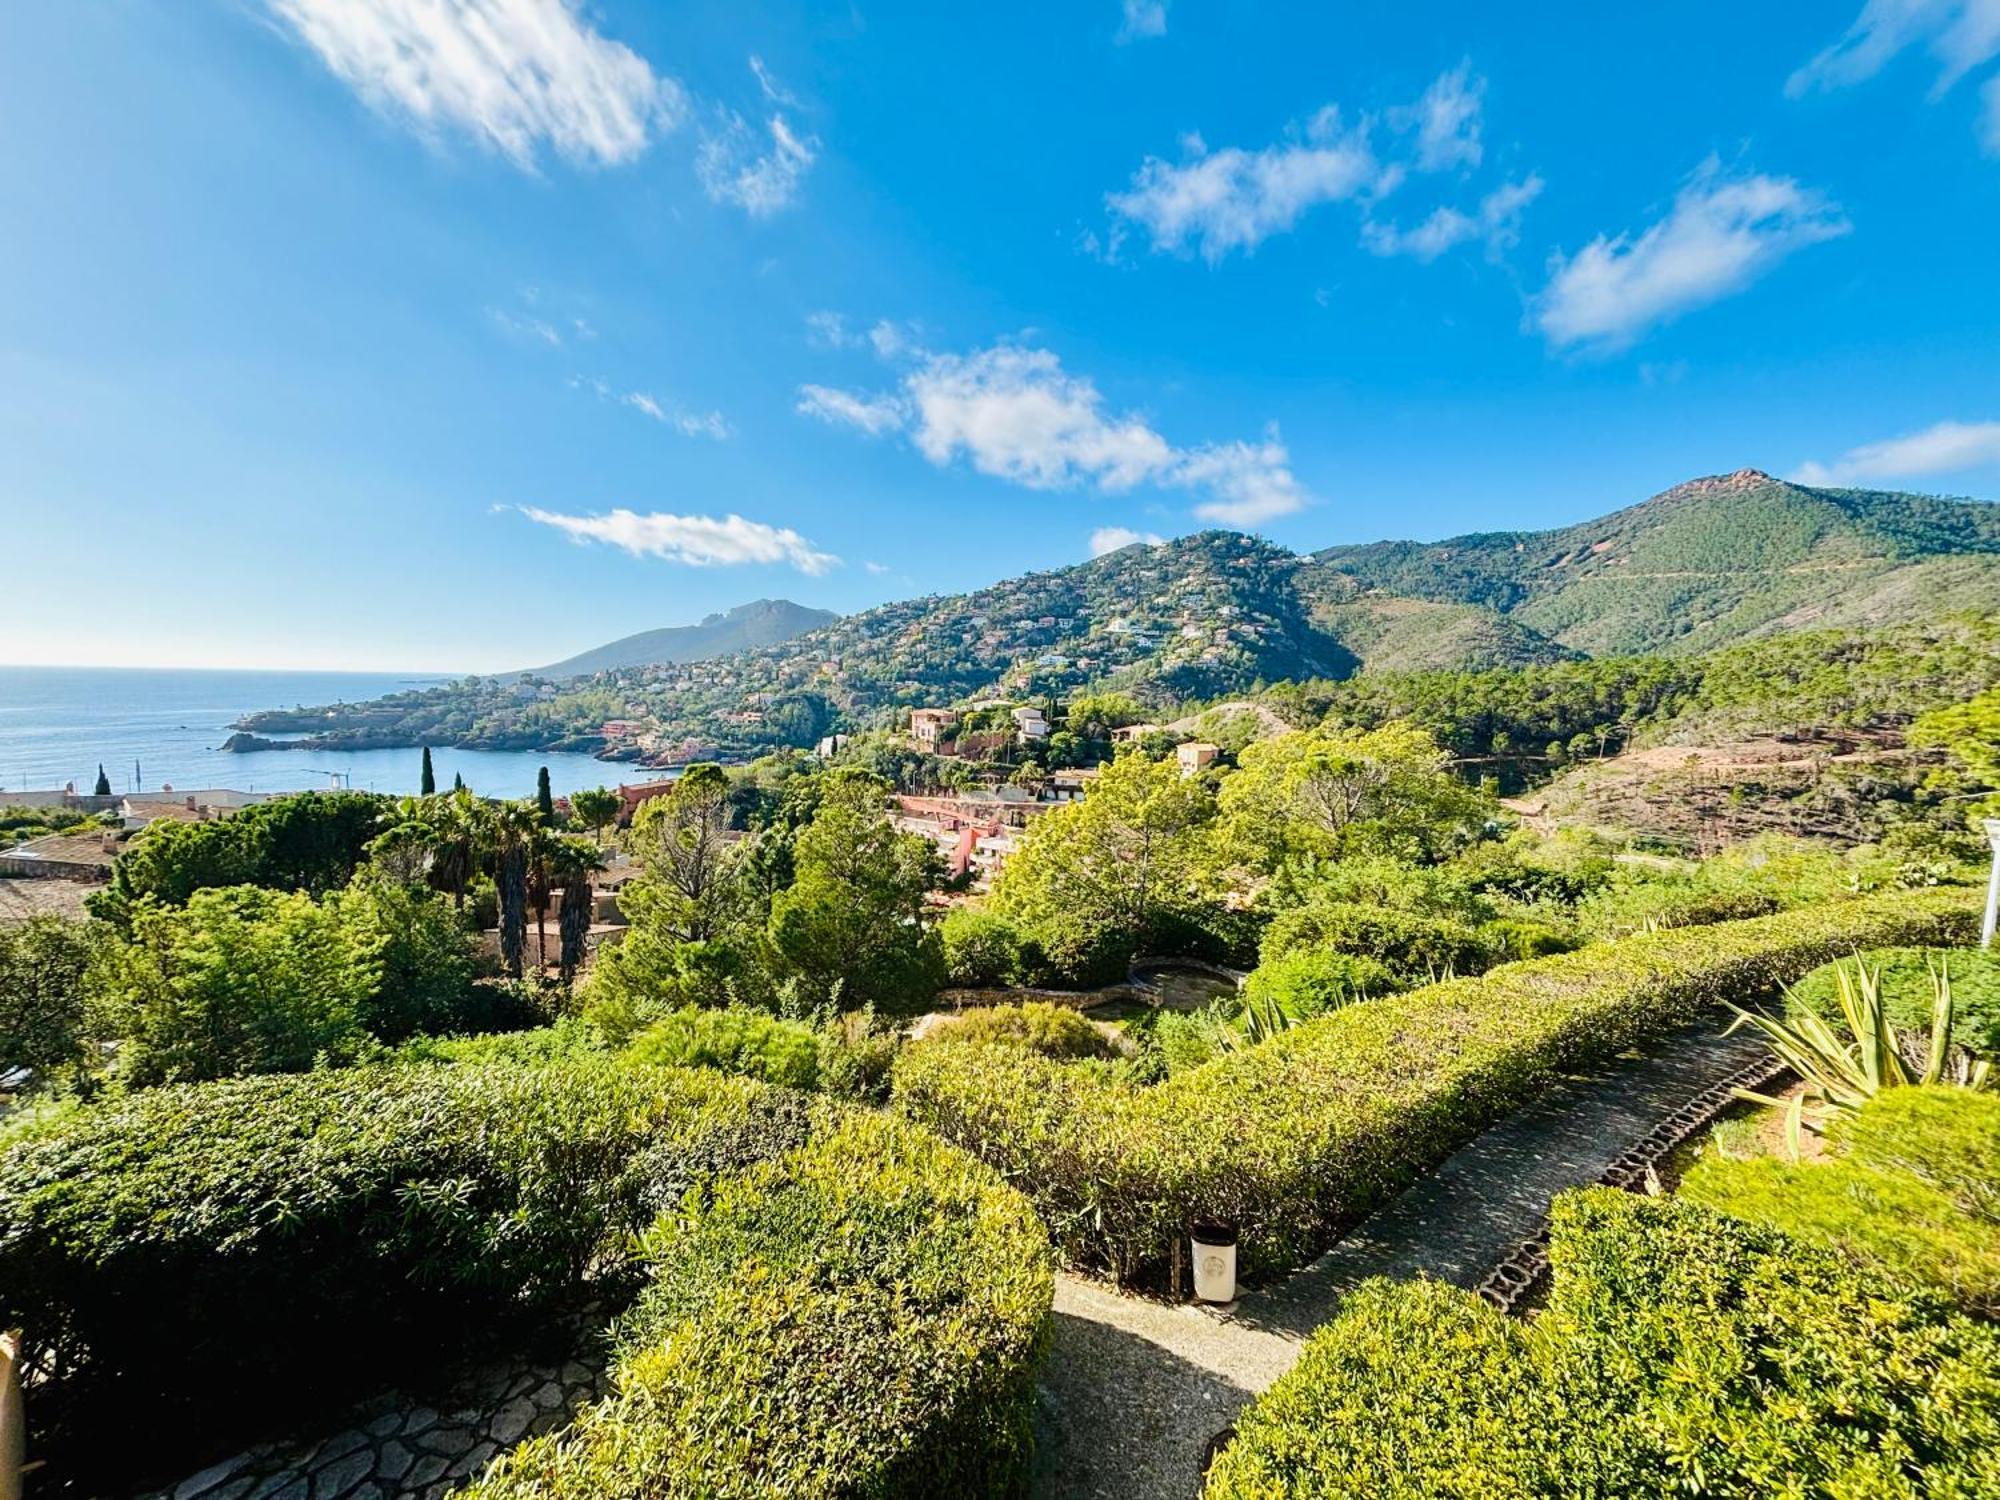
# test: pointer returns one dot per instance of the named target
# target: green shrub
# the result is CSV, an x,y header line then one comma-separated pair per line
x,y
1947,1137
860,1317
1304,1133
1416,947
1516,938
745,1042
425,959
1311,981
174,1250
42,966
857,1056
566,1038
1907,995
1681,1352
1039,1027
983,951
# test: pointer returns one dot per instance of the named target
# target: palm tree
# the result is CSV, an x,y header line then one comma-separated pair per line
x,y
541,853
461,830
513,826
573,862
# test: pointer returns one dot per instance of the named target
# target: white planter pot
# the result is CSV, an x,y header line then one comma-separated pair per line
x,y
1214,1264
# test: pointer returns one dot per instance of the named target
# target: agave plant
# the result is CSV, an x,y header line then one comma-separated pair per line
x,y
1845,1073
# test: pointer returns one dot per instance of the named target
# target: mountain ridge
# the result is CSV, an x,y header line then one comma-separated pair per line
x,y
761,622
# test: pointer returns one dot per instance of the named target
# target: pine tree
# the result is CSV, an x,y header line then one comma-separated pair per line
x,y
103,782
428,785
545,804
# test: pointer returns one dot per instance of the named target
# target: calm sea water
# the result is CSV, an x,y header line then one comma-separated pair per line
x,y
57,724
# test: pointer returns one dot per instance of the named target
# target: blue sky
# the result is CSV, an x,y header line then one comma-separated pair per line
x,y
452,334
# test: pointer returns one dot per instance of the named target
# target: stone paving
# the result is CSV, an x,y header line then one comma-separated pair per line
x,y
1136,1392
398,1449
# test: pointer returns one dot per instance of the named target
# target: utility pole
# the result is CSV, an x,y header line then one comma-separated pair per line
x,y
1992,826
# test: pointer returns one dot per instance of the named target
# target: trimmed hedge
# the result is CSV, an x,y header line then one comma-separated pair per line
x,y
1916,1203
1294,1138
861,1317
269,1242
1681,1352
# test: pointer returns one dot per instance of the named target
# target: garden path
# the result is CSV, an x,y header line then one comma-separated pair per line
x,y
1134,1391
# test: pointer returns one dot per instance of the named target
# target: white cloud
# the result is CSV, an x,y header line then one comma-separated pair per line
x,y
1721,234
1497,222
709,424
876,568
517,75
1014,413
1446,120
828,330
1962,35
519,326
773,91
1945,448
1143,18
1234,199
1112,538
698,541
871,414
735,168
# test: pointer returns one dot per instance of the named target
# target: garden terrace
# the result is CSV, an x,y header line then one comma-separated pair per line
x,y
268,1248
1296,1138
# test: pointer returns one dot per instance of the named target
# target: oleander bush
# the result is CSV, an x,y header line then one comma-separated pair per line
x,y
261,1241
861,1317
1907,995
1304,1133
746,1042
1916,1206
1048,1030
1681,1352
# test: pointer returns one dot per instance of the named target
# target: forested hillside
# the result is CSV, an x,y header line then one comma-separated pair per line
x,y
1705,565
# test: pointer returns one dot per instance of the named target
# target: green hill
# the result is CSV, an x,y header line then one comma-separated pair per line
x,y
763,622
1707,563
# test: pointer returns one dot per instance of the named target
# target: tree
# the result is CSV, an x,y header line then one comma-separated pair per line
x,y
853,914
1969,735
238,980
1094,879
103,788
42,966
545,802
1326,794
427,782
457,782
513,829
426,957
596,808
680,841
573,862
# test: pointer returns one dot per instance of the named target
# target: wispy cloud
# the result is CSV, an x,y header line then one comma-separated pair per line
x,y
758,171
873,415
521,326
1962,35
1013,412
1143,18
1721,235
1446,120
1215,202
1496,222
1112,538
519,76
1233,199
1944,448
708,424
698,541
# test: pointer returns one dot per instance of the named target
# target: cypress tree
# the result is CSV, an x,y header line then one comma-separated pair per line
x,y
428,785
457,782
103,782
545,804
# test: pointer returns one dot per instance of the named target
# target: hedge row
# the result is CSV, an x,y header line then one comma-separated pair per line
x,y
193,1262
861,1317
182,1246
1299,1136
1681,1352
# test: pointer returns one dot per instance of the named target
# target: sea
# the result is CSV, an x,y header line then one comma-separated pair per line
x,y
152,729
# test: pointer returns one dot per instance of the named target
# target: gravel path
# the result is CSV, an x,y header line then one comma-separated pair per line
x,y
1134,1391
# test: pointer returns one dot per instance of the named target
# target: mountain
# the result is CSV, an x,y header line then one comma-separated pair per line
x,y
764,622
1706,563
